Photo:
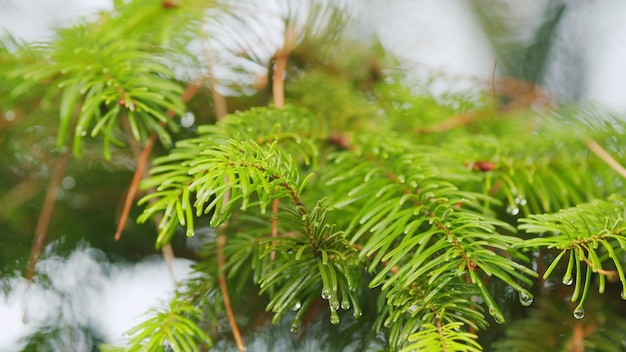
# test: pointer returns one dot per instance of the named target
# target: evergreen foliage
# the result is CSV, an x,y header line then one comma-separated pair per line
x,y
375,205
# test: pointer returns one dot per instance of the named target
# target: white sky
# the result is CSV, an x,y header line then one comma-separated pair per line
x,y
437,37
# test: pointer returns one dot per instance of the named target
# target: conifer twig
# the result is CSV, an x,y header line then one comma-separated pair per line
x,y
282,56
141,156
221,109
43,221
605,156
523,94
610,274
141,171
278,93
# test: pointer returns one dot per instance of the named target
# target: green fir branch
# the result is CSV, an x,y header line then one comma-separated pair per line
x,y
226,159
447,338
413,220
172,328
591,236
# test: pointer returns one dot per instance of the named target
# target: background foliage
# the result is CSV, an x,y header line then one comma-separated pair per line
x,y
429,220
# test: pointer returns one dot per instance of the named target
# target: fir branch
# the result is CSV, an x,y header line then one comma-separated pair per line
x,y
314,258
447,300
197,168
591,233
105,78
410,217
174,328
446,338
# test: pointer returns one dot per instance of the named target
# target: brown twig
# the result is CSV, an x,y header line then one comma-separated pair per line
x,y
142,161
444,347
278,92
610,274
523,95
43,221
221,261
493,79
282,56
605,156
220,111
579,333
143,156
141,171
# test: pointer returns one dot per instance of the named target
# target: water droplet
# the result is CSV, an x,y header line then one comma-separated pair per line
x,y
624,294
579,313
9,115
345,304
295,326
83,133
387,323
326,294
188,119
68,182
357,313
525,298
513,210
568,280
190,233
334,318
334,304
496,316
297,306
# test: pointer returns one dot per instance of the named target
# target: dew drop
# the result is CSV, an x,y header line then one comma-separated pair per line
x,y
334,304
297,306
9,115
357,313
496,316
188,119
513,210
83,133
579,313
68,182
345,304
326,293
525,298
190,233
295,326
387,323
567,280
334,318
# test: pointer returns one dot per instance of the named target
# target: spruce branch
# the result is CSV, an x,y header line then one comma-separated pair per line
x,y
405,207
591,233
